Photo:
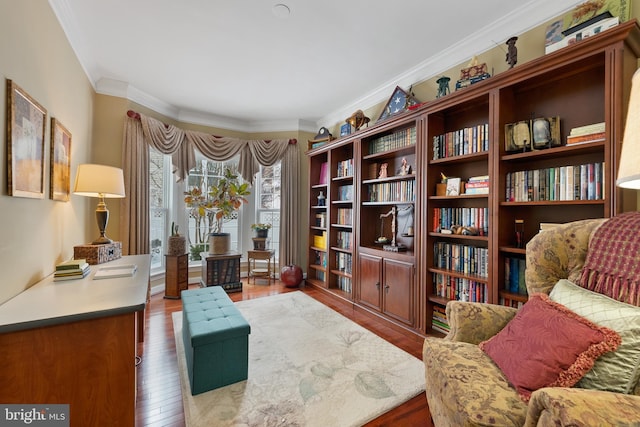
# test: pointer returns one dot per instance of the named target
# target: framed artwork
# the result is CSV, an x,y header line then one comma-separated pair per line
x,y
26,122
399,102
60,171
453,186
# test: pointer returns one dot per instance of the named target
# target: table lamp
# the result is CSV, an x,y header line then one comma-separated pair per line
x,y
629,167
102,182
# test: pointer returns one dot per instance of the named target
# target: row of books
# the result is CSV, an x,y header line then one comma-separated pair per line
x,y
345,193
514,275
72,269
573,182
466,259
439,320
445,218
510,302
397,191
344,216
344,239
321,219
321,258
345,168
344,262
469,140
402,138
344,284
460,289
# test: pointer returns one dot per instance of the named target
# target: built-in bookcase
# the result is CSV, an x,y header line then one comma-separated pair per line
x,y
453,200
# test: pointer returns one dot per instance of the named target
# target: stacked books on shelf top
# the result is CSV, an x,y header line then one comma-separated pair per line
x,y
588,133
72,269
477,185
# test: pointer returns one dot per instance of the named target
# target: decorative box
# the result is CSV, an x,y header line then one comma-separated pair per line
x,y
98,254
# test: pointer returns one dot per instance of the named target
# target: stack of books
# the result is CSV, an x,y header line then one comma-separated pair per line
x,y
477,185
589,133
72,269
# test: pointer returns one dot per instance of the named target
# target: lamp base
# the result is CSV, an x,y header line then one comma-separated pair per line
x,y
102,240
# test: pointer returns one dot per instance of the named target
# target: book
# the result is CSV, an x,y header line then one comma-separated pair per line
x,y
72,272
72,264
588,129
72,276
324,173
126,270
581,139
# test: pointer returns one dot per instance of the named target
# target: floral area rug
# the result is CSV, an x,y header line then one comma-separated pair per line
x,y
308,366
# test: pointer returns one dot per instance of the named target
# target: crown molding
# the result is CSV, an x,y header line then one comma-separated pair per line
x,y
530,15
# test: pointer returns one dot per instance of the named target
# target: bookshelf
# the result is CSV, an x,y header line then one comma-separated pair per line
x,y
464,136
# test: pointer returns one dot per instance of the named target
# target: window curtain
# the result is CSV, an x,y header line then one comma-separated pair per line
x,y
181,144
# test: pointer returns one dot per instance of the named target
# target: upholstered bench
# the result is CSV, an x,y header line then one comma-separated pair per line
x,y
216,339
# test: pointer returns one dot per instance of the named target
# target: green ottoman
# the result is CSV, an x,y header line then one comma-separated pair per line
x,y
216,339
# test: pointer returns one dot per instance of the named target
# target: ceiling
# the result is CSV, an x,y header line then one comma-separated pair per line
x,y
241,65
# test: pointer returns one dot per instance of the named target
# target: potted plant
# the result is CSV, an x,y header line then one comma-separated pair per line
x,y
211,209
262,230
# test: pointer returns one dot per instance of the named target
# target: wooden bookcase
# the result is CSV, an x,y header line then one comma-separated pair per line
x,y
586,83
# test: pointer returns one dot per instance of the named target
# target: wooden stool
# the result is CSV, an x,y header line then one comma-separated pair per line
x,y
257,270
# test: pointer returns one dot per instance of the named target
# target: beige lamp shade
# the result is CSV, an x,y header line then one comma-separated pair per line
x,y
99,180
629,168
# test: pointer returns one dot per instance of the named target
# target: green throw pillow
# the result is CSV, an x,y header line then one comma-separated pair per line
x,y
618,370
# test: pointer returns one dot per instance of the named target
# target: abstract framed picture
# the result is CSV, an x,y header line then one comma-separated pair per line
x,y
59,173
26,122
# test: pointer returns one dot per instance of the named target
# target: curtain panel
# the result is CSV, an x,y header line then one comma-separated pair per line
x,y
181,144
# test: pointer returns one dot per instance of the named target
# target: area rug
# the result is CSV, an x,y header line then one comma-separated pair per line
x,y
308,366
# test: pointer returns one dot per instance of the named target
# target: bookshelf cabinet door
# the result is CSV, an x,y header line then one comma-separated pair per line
x,y
370,280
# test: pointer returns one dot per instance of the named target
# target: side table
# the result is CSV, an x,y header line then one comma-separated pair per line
x,y
221,270
258,270
176,278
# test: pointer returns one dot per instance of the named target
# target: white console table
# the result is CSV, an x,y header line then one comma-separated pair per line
x,y
74,342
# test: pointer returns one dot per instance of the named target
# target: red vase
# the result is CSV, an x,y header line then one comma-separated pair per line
x,y
291,276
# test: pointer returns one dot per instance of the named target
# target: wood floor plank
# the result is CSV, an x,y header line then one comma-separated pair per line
x,y
159,398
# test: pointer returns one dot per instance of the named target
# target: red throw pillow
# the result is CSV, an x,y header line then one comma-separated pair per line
x,y
547,345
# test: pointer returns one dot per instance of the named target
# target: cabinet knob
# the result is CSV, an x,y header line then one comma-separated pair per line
x,y
378,285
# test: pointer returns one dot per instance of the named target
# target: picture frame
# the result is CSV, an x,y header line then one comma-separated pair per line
x,y
25,127
60,170
453,186
399,102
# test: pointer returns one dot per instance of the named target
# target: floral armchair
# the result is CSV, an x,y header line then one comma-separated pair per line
x,y
466,387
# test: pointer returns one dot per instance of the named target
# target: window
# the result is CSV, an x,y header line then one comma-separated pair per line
x,y
267,191
159,196
202,177
167,206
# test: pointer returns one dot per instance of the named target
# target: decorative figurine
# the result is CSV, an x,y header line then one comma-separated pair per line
x,y
383,170
512,52
405,169
357,120
321,199
443,86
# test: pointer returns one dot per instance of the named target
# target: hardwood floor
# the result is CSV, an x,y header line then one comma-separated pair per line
x,y
159,400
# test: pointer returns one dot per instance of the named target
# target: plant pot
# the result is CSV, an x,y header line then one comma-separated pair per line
x,y
177,245
262,233
219,243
